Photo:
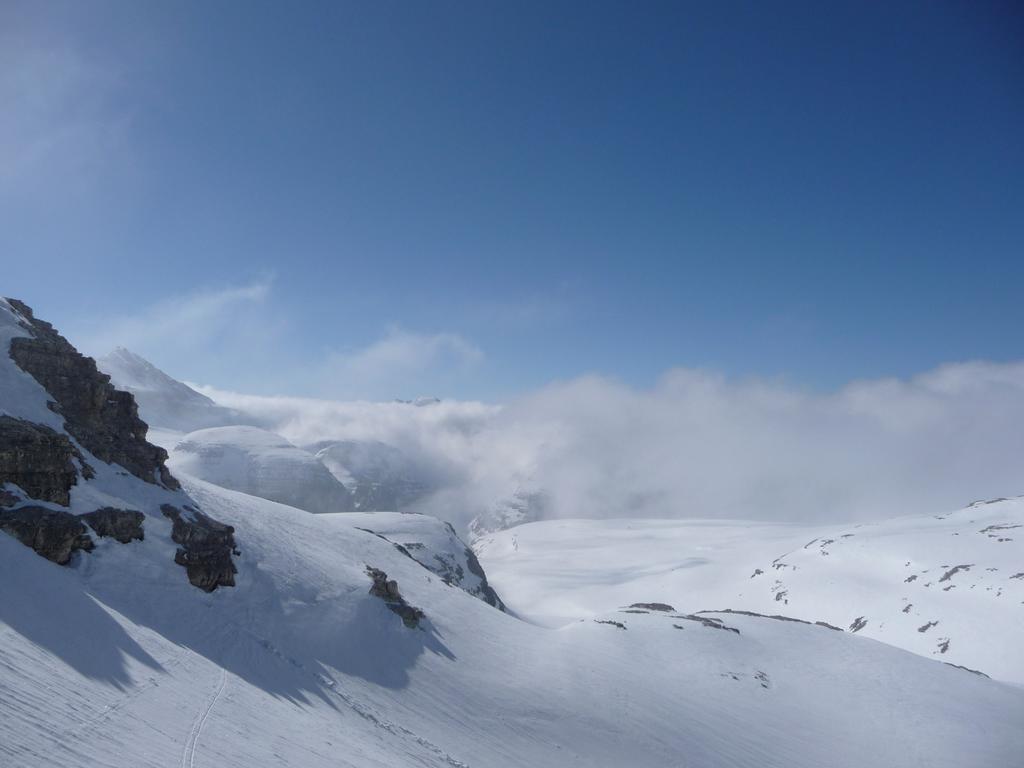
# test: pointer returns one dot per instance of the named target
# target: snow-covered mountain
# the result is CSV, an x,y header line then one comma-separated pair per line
x,y
165,402
335,646
260,463
948,587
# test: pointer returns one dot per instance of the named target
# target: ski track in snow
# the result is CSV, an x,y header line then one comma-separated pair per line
x,y
188,755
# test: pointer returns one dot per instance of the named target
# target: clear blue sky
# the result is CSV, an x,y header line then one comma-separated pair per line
x,y
477,198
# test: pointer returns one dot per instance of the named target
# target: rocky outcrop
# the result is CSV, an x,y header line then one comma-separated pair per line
x,y
123,525
436,546
38,460
387,590
104,420
205,547
652,606
484,591
54,534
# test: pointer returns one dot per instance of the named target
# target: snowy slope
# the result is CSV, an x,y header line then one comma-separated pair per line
x,y
299,665
164,402
260,463
948,587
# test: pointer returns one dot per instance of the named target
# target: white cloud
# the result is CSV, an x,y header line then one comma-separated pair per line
x,y
397,362
701,445
186,323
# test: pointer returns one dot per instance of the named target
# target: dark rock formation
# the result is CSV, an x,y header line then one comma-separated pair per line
x,y
955,570
205,547
37,459
707,621
54,534
653,606
105,421
387,590
967,669
124,525
777,617
485,590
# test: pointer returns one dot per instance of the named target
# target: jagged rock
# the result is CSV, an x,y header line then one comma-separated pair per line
x,y
8,499
387,590
37,459
54,534
124,525
205,547
104,420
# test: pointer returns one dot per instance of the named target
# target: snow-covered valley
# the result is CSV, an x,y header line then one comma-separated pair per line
x,y
949,587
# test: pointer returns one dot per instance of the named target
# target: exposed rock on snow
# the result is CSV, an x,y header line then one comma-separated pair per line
x,y
38,460
123,525
260,463
387,590
205,547
102,419
707,621
776,617
653,606
69,439
52,533
434,545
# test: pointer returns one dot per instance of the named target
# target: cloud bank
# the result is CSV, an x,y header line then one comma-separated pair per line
x,y
700,445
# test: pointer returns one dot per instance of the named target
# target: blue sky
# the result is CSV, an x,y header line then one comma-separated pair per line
x,y
475,199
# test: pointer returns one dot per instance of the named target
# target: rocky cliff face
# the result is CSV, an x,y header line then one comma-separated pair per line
x,y
50,474
105,421
38,460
